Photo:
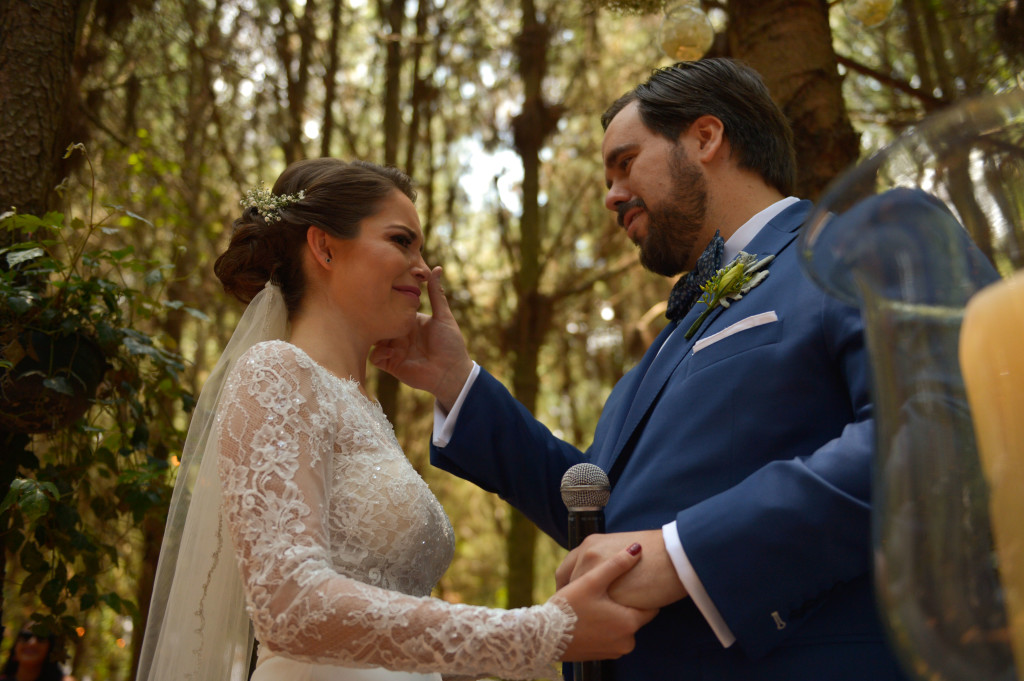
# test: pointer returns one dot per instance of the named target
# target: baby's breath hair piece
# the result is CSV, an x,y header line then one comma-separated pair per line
x,y
267,203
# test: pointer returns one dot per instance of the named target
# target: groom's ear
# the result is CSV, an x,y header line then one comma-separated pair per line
x,y
707,138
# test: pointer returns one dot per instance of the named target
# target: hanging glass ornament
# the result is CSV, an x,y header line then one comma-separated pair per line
x,y
686,31
627,6
870,13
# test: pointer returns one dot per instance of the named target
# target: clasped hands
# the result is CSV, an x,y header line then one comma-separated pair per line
x,y
631,596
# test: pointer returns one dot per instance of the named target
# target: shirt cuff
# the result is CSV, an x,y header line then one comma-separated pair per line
x,y
694,587
444,423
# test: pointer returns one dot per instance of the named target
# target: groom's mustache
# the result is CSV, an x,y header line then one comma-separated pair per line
x,y
624,208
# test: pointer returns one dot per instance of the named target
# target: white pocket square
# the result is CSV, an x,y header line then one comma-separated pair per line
x,y
742,325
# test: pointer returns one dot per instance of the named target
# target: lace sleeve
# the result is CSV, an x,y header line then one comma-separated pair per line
x,y
276,437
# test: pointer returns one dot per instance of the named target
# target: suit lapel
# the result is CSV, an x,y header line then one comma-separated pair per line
x,y
628,385
675,348
652,381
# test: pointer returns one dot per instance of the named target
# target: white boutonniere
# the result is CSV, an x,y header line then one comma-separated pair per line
x,y
730,283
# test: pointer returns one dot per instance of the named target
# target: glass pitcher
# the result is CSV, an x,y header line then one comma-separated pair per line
x,y
912,235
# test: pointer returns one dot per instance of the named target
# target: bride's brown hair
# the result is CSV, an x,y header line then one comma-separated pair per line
x,y
336,196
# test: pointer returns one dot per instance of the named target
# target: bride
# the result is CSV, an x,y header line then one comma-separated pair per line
x,y
296,518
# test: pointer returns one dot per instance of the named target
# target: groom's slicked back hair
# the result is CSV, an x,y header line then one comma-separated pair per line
x,y
758,132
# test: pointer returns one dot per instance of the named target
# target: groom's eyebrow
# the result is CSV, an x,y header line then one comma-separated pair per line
x,y
614,154
612,157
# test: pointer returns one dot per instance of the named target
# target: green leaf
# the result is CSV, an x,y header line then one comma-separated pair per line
x,y
67,517
11,498
154,277
34,504
105,456
140,437
59,384
32,559
27,223
32,497
134,346
20,304
130,608
15,258
114,601
139,217
30,584
51,592
197,314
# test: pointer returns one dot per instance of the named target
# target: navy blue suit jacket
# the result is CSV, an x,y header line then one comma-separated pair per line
x,y
758,443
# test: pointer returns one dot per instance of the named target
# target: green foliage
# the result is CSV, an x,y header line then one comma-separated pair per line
x,y
83,487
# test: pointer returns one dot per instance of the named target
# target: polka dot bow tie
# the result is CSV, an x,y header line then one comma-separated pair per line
x,y
687,290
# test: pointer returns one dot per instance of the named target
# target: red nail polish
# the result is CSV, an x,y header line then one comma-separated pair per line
x,y
633,550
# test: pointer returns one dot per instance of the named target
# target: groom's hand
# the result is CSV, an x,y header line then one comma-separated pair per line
x,y
653,583
433,355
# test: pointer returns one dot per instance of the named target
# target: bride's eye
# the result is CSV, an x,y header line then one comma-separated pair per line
x,y
402,240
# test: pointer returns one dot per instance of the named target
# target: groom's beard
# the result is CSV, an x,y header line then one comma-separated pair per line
x,y
674,225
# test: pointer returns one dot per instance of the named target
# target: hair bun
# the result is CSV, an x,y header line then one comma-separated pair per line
x,y
251,258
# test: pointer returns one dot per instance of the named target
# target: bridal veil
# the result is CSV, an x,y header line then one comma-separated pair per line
x,y
197,628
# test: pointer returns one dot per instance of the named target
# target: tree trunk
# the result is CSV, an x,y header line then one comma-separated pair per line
x,y
917,39
530,128
297,71
803,80
392,15
37,44
331,79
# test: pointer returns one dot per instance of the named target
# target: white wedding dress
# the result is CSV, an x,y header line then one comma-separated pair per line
x,y
339,540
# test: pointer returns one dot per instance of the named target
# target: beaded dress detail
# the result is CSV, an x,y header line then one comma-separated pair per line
x,y
340,541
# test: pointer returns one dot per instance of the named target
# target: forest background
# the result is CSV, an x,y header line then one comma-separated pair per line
x,y
492,106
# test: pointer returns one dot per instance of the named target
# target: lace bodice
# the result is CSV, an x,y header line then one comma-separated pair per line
x,y
339,540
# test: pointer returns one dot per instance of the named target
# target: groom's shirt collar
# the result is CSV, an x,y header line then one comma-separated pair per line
x,y
745,234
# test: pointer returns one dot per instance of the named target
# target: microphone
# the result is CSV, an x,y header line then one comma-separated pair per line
x,y
585,490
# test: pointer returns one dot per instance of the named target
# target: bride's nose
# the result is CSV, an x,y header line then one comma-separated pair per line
x,y
420,269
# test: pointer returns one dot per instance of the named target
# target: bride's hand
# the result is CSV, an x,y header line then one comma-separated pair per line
x,y
604,629
433,355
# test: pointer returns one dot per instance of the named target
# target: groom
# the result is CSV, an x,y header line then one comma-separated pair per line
x,y
739,448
